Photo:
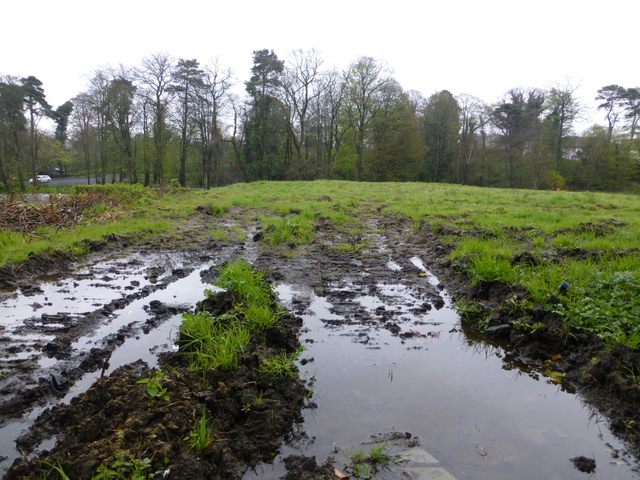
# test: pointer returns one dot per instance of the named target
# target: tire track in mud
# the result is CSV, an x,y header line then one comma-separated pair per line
x,y
386,249
397,255
61,332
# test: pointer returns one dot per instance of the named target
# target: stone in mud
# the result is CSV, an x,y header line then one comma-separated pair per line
x,y
51,347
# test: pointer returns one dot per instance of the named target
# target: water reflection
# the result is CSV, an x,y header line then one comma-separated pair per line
x,y
457,391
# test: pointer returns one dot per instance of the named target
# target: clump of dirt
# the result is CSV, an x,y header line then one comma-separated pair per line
x,y
584,464
141,419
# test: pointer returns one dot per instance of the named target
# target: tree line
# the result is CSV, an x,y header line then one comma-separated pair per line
x,y
177,119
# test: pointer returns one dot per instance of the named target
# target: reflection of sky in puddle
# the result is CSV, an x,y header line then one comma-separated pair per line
x,y
183,292
418,263
88,287
393,266
455,394
72,295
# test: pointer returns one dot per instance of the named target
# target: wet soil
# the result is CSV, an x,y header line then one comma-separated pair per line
x,y
248,413
114,422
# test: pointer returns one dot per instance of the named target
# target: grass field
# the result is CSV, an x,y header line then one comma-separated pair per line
x,y
541,240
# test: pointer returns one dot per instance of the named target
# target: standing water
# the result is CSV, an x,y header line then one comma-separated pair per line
x,y
383,366
130,331
460,407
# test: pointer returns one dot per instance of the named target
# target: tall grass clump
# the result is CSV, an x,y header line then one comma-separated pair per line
x,y
214,342
490,267
247,284
296,229
201,438
219,342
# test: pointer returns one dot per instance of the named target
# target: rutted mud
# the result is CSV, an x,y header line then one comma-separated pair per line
x,y
56,340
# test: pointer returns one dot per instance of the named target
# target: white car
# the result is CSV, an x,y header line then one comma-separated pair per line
x,y
41,179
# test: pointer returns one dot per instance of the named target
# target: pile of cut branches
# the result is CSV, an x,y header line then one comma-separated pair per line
x,y
30,217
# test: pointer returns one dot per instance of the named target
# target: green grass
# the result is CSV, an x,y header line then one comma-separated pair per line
x,y
200,438
281,365
366,465
489,228
246,283
606,305
220,342
216,343
290,229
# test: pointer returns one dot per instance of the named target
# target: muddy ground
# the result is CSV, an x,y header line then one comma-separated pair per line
x,y
116,416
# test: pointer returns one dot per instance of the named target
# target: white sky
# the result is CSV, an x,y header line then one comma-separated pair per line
x,y
479,47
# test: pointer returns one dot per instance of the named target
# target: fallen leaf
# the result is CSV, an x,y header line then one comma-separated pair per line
x,y
556,357
556,377
339,474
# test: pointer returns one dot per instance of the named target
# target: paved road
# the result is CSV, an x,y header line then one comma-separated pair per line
x,y
66,181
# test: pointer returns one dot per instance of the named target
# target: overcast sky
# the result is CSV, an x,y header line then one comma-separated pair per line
x,y
482,48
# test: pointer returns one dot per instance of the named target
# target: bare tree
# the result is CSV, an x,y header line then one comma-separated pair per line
x,y
325,122
473,120
83,129
154,76
416,101
301,84
364,80
212,99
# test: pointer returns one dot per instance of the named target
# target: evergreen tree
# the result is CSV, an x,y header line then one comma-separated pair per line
x,y
266,125
37,106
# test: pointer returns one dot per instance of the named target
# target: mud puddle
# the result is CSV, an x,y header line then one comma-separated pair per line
x,y
386,358
59,335
386,366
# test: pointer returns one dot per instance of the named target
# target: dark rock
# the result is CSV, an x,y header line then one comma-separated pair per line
x,y
51,347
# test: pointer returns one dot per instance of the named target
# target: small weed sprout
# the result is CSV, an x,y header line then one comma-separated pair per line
x,y
518,305
200,438
129,467
281,365
259,399
525,327
154,386
58,468
367,465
